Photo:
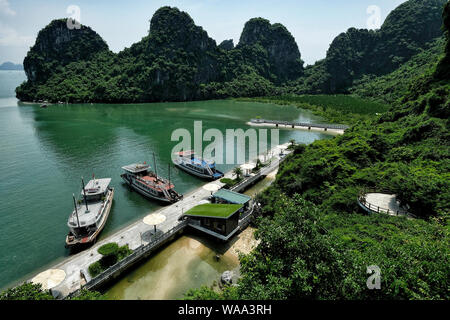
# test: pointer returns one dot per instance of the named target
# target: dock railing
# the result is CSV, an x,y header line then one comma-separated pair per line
x,y
257,175
139,253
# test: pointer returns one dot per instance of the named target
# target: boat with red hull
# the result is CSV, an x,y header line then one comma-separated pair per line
x,y
148,183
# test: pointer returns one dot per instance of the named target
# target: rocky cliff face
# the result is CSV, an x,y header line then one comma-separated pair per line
x,y
227,45
277,44
406,30
443,69
404,33
349,56
181,55
176,61
57,45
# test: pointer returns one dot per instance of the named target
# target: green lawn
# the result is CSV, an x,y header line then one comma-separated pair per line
x,y
214,210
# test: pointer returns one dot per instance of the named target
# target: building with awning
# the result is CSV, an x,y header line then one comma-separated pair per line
x,y
231,197
218,220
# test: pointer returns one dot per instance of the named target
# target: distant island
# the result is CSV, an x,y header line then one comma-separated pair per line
x,y
10,66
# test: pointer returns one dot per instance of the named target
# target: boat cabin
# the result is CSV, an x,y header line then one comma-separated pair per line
x,y
89,210
138,169
196,165
96,189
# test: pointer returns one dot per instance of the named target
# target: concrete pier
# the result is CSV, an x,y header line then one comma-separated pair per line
x,y
333,129
139,235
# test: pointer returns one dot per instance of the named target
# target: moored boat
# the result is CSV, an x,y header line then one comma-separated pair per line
x,y
148,183
203,168
91,213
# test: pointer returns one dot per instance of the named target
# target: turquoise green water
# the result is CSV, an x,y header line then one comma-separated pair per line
x,y
44,152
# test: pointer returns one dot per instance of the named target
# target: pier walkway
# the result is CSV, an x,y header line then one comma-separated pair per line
x,y
141,239
329,128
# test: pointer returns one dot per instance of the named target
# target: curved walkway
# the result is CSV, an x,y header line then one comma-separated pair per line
x,y
382,203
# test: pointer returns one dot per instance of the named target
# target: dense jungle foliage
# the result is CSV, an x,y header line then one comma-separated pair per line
x,y
316,243
178,61
359,52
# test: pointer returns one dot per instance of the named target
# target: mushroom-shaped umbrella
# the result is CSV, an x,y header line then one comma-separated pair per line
x,y
49,278
247,167
282,148
154,219
211,187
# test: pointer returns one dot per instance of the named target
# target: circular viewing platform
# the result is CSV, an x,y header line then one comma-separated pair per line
x,y
382,203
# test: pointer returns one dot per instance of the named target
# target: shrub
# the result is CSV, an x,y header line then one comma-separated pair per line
x,y
109,249
95,269
228,182
26,291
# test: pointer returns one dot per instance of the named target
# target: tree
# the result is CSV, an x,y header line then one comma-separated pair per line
x,y
89,295
26,291
238,172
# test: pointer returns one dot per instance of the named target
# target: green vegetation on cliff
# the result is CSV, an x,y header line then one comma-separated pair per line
x,y
315,241
178,61
390,87
358,52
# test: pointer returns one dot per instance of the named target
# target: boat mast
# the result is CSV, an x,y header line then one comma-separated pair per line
x,y
169,176
76,211
154,162
84,193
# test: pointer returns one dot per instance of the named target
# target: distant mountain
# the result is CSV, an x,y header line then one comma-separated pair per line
x,y
178,61
359,52
11,66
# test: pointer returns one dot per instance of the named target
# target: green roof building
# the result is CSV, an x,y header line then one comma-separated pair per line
x,y
218,220
231,197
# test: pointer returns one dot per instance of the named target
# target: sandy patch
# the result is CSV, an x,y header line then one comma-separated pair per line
x,y
245,243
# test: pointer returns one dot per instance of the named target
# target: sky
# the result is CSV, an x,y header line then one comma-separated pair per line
x,y
314,24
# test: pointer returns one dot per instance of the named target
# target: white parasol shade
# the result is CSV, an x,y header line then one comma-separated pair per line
x,y
211,187
248,166
49,278
154,219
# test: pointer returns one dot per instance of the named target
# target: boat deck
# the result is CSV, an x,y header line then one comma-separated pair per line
x,y
154,183
86,218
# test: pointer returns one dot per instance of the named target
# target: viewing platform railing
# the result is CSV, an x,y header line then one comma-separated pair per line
x,y
371,208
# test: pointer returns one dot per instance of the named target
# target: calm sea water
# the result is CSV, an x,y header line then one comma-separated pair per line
x,y
45,152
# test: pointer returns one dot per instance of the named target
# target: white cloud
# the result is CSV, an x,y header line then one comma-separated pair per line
x,y
5,8
11,38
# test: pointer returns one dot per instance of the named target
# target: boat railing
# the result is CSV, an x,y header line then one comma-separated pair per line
x,y
189,159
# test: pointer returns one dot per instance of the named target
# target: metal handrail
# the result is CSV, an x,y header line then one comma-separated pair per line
x,y
378,209
301,124
137,253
